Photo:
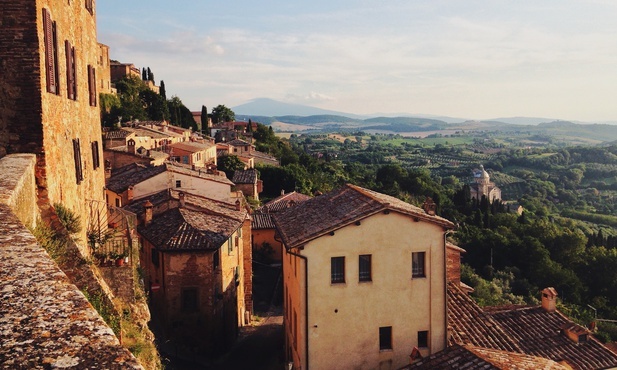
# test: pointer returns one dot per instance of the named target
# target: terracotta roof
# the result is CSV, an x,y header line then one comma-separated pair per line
x,y
283,202
540,333
245,176
262,221
197,172
185,229
469,324
238,142
116,134
530,330
131,175
192,146
258,154
320,215
474,358
227,209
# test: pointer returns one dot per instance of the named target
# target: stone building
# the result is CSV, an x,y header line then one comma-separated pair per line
x,y
197,260
49,104
483,186
104,75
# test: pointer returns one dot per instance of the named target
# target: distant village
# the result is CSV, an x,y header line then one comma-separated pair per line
x,y
368,281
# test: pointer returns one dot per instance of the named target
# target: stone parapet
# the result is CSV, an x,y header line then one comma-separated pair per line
x,y
45,321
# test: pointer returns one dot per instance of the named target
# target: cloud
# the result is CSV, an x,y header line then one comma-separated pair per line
x,y
310,98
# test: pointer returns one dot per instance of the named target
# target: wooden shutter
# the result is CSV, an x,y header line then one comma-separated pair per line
x,y
95,154
71,82
79,175
92,85
50,62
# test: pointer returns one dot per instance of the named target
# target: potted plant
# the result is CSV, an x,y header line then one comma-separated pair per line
x,y
118,257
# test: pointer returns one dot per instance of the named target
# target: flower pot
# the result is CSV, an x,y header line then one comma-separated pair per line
x,y
120,262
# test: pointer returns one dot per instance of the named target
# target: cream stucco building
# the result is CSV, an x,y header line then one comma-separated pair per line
x,y
364,280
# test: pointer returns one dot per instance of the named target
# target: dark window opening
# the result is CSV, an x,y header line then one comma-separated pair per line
x,y
385,338
423,338
417,264
364,267
178,183
337,270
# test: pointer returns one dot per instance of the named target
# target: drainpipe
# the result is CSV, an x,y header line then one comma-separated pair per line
x,y
306,296
445,281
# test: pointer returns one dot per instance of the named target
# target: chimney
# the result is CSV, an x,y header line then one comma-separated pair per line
x,y
282,191
107,172
181,197
148,212
429,206
129,194
238,205
549,299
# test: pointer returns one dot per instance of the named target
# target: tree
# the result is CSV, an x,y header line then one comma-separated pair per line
x,y
150,75
221,113
249,128
144,76
204,120
179,114
229,164
162,91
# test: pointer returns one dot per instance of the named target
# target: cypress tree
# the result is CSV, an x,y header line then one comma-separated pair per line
x,y
204,120
144,76
162,91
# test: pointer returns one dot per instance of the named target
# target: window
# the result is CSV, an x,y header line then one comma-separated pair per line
x,y
189,300
51,53
79,175
71,75
216,260
417,264
295,329
155,257
364,267
337,272
118,202
230,245
423,338
178,183
385,338
92,85
96,162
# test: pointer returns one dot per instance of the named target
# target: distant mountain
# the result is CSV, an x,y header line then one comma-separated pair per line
x,y
522,120
273,108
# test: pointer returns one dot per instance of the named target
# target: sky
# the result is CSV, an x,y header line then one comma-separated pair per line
x,y
473,59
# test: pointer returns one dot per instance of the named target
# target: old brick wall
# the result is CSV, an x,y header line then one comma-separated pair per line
x,y
453,264
20,76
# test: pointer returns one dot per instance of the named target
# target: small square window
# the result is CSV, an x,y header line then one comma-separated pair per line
x,y
385,338
423,339
337,271
178,183
364,267
417,264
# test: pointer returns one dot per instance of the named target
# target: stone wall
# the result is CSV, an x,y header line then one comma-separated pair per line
x,y
46,321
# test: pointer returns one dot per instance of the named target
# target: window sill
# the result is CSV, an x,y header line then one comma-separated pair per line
x,y
386,350
418,277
